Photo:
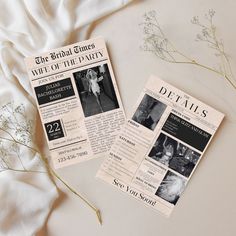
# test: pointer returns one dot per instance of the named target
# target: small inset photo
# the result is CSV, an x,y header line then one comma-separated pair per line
x,y
174,154
149,112
96,90
171,187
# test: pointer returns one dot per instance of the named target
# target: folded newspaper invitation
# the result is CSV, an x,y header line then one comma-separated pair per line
x,y
160,145
78,100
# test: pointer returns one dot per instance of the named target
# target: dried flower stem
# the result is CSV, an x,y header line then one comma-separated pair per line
x,y
22,137
52,174
155,41
97,211
24,171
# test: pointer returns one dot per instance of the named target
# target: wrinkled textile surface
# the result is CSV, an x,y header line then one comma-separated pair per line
x,y
28,27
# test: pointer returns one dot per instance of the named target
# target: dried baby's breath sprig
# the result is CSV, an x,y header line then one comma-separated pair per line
x,y
16,131
155,41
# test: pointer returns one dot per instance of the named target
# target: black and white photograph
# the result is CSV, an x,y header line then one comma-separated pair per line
x,y
174,154
96,91
171,187
149,112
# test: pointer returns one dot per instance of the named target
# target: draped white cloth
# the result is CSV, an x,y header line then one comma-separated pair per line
x,y
28,27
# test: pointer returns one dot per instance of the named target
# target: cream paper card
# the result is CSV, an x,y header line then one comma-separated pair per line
x,y
160,145
78,100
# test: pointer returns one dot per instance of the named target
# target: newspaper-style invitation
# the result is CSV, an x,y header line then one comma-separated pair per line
x,y
78,100
160,145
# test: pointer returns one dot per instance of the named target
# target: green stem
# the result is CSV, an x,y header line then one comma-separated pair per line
x,y
24,171
54,174
193,62
213,70
97,211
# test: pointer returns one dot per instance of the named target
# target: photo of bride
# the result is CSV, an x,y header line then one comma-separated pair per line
x,y
96,91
